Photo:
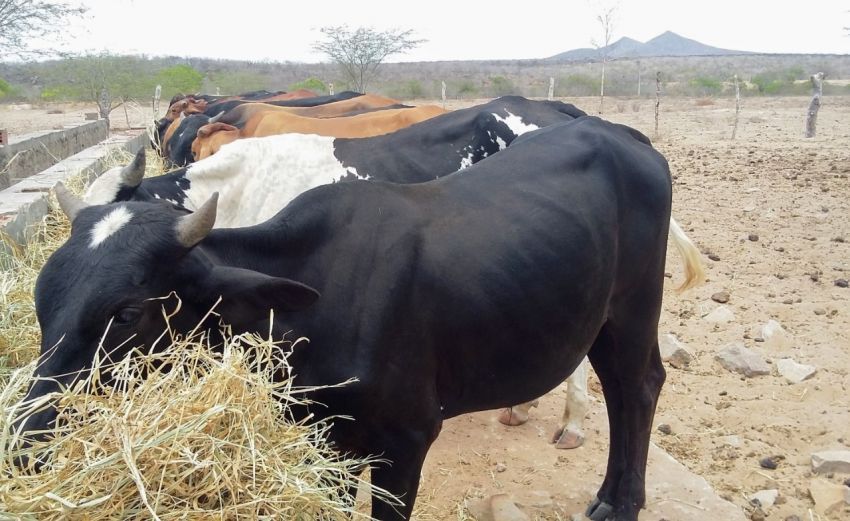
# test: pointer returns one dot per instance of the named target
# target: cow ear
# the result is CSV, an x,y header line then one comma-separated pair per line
x,y
248,295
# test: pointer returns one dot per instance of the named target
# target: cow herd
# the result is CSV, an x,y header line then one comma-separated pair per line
x,y
449,261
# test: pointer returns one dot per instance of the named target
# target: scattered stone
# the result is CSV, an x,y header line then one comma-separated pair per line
x,y
794,372
720,315
770,462
828,497
732,441
665,429
535,499
714,257
788,301
831,461
501,467
504,509
847,482
775,336
721,297
765,498
674,352
499,507
841,283
738,359
793,518
758,514
753,237
820,312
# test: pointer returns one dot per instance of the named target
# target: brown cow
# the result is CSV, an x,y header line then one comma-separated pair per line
x,y
240,115
212,137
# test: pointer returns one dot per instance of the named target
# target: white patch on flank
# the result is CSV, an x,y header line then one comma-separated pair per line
x,y
501,143
106,227
156,196
466,162
257,177
105,188
516,124
353,171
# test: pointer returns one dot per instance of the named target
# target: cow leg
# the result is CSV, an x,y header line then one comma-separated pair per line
x,y
569,434
628,363
405,453
518,414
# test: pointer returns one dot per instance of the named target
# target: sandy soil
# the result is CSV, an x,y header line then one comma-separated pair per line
x,y
24,118
792,195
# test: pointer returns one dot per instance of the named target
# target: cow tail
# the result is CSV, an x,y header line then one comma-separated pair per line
x,y
694,274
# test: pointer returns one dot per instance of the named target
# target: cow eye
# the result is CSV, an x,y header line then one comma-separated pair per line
x,y
127,316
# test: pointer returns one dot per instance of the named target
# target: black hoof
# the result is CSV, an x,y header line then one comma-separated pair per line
x,y
598,510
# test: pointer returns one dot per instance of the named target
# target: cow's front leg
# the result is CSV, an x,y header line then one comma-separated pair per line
x,y
404,453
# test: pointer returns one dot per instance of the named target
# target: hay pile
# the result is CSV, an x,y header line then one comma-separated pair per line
x,y
205,440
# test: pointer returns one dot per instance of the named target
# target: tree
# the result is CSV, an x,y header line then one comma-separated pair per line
x,y
23,21
105,79
605,18
180,78
359,52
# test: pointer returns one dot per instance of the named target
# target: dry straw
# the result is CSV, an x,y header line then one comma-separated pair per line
x,y
205,438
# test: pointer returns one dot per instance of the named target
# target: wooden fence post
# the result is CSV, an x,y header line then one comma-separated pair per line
x,y
737,107
814,106
4,137
157,94
657,99
551,88
443,93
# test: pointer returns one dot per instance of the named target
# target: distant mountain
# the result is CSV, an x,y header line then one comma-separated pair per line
x,y
666,44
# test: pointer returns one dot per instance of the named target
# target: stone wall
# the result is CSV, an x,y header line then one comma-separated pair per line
x,y
29,154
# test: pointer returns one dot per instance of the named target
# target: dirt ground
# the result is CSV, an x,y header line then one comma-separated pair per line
x,y
773,211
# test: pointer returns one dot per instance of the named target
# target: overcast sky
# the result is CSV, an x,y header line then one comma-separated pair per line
x,y
455,30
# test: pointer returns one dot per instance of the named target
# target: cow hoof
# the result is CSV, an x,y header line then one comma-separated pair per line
x,y
599,510
513,416
566,439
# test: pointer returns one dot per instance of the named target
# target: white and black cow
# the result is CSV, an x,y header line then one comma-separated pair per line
x,y
256,177
466,293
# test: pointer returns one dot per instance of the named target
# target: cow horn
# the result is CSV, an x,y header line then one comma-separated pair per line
x,y
132,174
68,202
191,229
215,118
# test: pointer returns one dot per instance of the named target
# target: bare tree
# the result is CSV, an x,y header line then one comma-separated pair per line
x,y
606,17
359,52
23,21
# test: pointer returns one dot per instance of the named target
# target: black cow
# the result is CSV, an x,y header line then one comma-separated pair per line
x,y
470,292
224,106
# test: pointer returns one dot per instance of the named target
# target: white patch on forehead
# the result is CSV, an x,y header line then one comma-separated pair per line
x,y
105,188
106,227
516,124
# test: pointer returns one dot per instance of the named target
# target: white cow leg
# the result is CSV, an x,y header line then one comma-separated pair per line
x,y
570,434
518,414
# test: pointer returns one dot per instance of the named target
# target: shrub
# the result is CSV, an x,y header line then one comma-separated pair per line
x,y
577,85
180,78
314,84
501,86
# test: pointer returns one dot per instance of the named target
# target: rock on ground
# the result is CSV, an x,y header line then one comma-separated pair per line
x,y
828,497
794,372
775,336
765,498
738,359
674,352
720,315
827,461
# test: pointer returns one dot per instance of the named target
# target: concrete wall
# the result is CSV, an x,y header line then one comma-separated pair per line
x,y
29,154
25,204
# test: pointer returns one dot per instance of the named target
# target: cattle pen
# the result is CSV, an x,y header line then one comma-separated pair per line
x,y
769,212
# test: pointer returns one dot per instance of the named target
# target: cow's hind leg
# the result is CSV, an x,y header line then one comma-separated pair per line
x,y
518,414
569,434
626,358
